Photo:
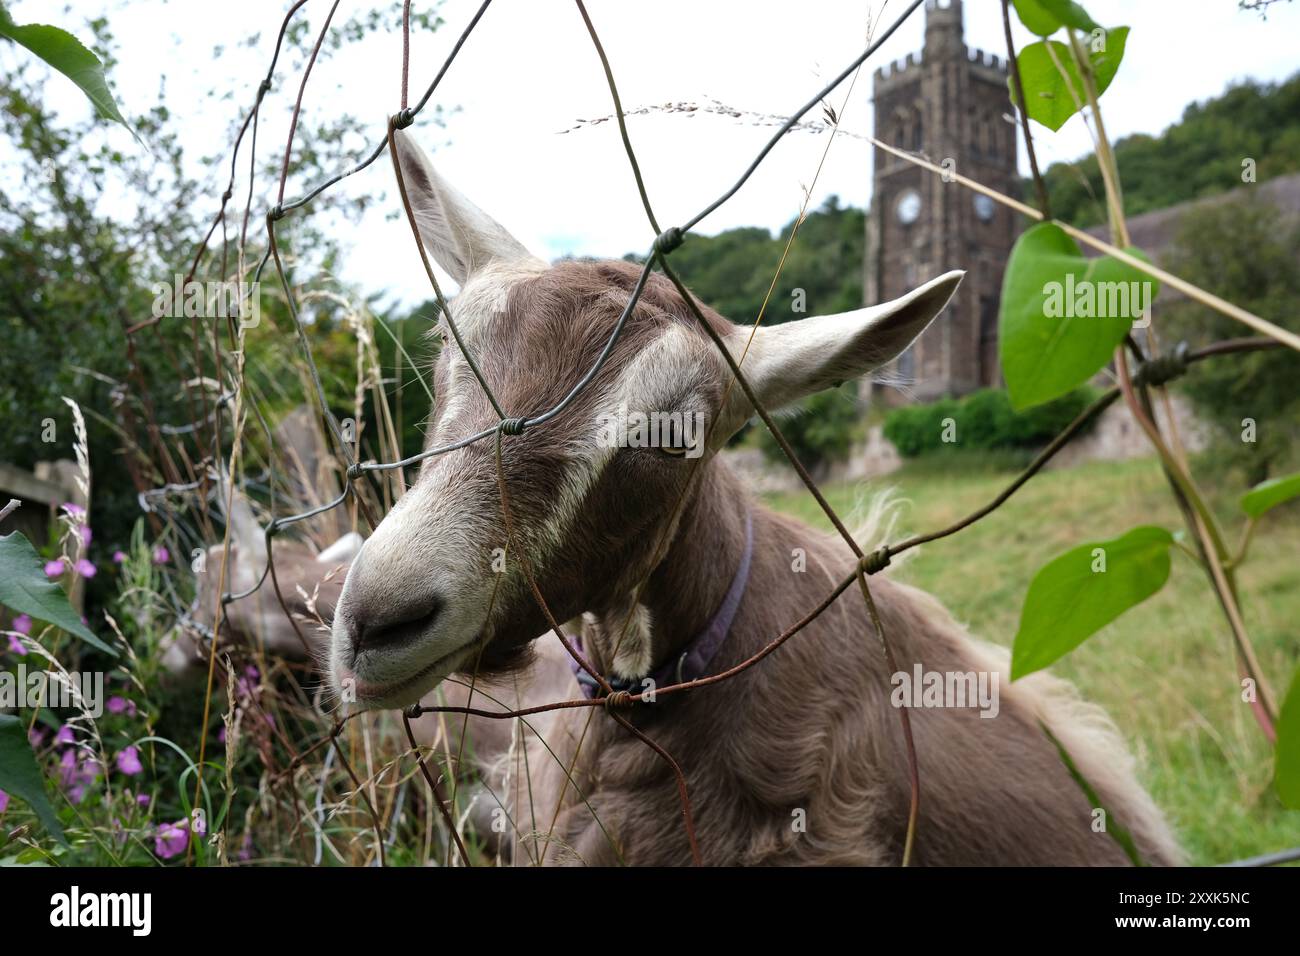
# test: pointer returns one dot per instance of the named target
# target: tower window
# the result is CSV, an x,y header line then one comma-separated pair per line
x,y
988,317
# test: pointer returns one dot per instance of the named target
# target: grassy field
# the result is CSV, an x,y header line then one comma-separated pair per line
x,y
1165,670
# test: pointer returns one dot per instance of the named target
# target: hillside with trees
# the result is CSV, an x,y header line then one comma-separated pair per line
x,y
1199,156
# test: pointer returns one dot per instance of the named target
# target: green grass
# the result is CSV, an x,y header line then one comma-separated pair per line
x,y
1165,670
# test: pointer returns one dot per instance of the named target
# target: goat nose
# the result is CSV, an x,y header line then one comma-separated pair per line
x,y
396,623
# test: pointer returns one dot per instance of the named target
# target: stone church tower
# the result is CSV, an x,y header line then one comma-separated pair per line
x,y
951,105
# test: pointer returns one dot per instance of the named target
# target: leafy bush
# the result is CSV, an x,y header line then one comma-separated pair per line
x,y
917,428
982,420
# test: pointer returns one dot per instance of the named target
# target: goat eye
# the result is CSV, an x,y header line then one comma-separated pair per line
x,y
674,441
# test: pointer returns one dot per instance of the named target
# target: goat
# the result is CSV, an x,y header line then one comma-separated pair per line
x,y
798,759
259,619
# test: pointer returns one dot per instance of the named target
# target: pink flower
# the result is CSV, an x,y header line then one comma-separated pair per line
x,y
4,801
36,736
23,625
161,555
77,776
74,510
85,535
53,568
119,557
64,736
171,840
143,799
128,761
85,568
121,705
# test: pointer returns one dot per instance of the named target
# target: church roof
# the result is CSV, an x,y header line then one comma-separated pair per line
x,y
1154,232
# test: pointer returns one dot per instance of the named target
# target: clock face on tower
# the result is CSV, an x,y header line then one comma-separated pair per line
x,y
908,207
983,207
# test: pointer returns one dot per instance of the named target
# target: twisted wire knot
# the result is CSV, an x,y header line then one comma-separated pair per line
x,y
354,471
263,88
668,240
874,562
275,213
414,711
403,118
618,699
1164,368
512,426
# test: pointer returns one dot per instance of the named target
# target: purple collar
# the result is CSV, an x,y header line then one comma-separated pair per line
x,y
692,663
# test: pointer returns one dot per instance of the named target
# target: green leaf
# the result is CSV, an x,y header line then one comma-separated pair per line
x,y
1051,338
1286,767
1045,17
64,52
1071,598
1270,494
25,588
1036,17
1051,99
19,775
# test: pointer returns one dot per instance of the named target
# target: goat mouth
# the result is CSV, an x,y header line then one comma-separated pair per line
x,y
381,692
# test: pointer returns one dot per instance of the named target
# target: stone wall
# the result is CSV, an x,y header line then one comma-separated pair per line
x,y
1114,437
872,458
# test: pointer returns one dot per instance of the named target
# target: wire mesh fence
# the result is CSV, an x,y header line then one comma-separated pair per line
x,y
233,405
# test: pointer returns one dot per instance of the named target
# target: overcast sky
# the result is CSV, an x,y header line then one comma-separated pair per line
x,y
528,73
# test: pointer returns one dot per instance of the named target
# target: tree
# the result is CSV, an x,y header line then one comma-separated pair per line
x,y
1245,251
733,270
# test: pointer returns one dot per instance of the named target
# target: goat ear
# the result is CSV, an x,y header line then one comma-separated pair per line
x,y
789,361
461,237
246,534
343,550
